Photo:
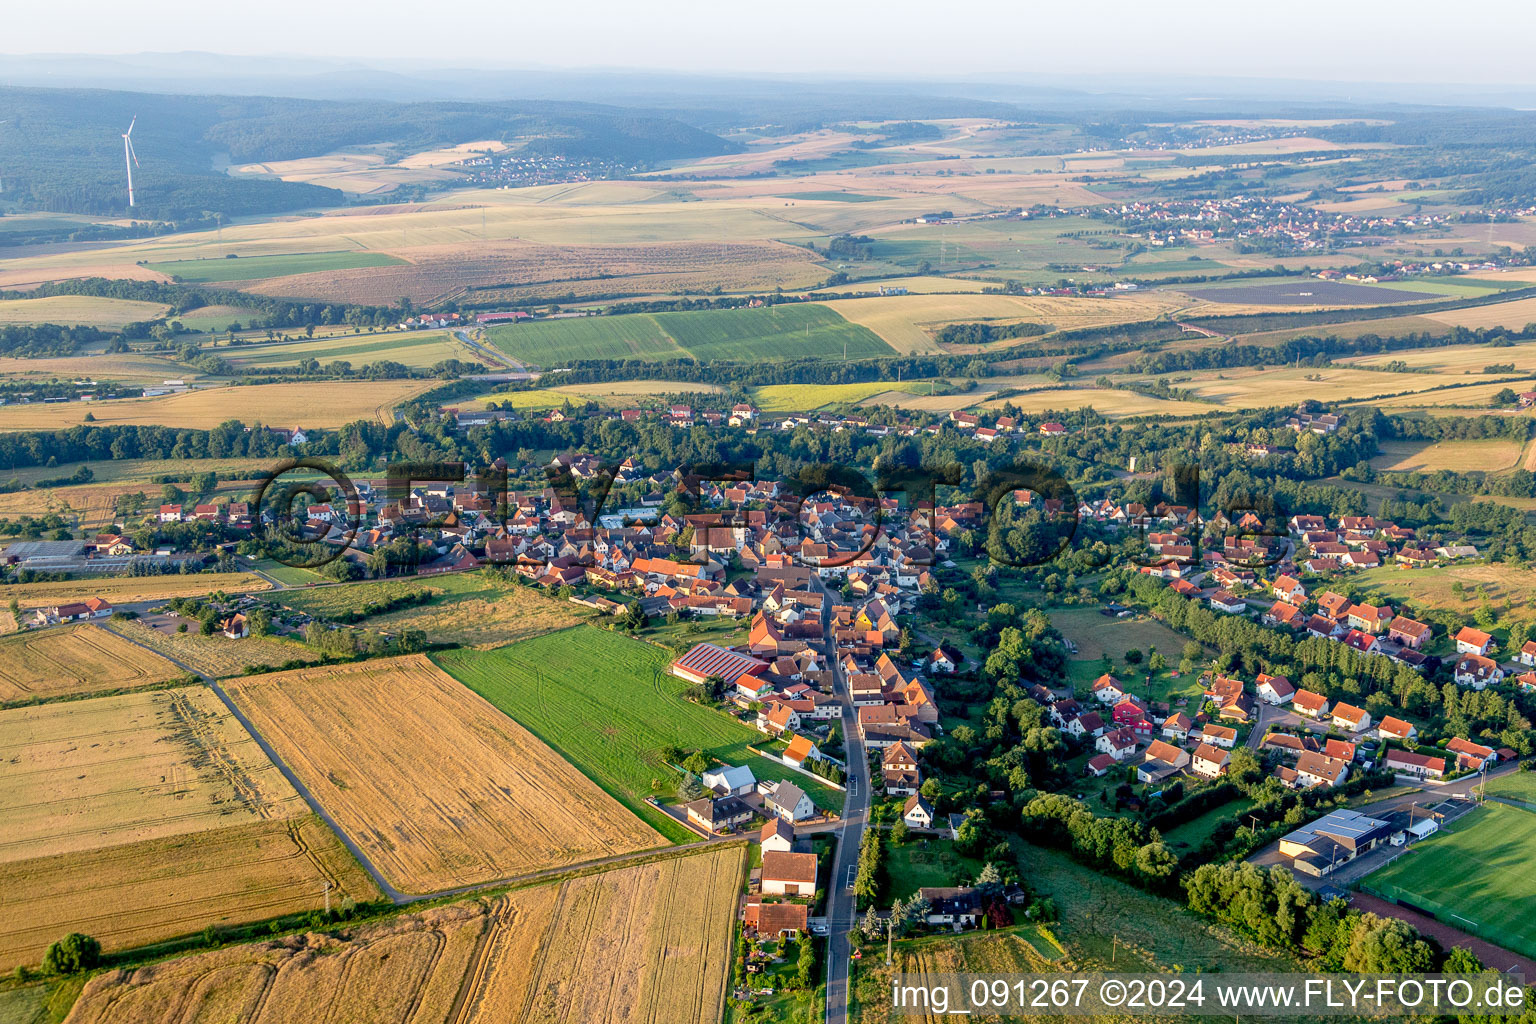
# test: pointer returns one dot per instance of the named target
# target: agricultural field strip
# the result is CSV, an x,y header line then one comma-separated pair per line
x,y
645,944
531,812
75,659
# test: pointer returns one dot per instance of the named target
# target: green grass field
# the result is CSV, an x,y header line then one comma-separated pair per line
x,y
922,862
788,331
1474,875
606,702
256,268
412,348
1097,635
552,343
1516,785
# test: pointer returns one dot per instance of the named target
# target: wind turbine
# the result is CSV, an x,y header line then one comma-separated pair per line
x,y
130,158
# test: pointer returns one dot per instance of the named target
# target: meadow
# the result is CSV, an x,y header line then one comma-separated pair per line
x,y
215,655
255,268
75,659
324,404
84,310
1516,785
436,785
1444,359
419,349
1511,315
148,815
648,943
582,691
1104,924
474,609
1458,588
1474,874
1111,402
1097,635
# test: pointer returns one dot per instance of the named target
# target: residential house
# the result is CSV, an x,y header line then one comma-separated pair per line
x,y
917,812
789,874
1220,736
1473,641
1421,766
730,780
1312,705
777,836
1470,756
1275,690
1408,632
1315,769
1224,600
788,801
1119,744
952,906
776,920
1390,728
1478,672
1208,761
1347,716
719,814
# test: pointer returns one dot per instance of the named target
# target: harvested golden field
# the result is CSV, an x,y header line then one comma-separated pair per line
x,y
216,655
130,589
148,815
1475,396
139,893
75,659
1512,315
308,404
907,322
413,348
1492,456
1458,359
439,787
510,268
658,954
129,768
125,367
1258,388
86,310
1110,402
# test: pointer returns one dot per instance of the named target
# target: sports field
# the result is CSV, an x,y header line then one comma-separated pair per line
x,y
648,943
75,659
473,609
607,704
255,268
437,786
1474,874
149,815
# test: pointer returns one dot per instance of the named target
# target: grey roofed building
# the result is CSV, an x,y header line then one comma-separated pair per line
x,y
1333,840
40,552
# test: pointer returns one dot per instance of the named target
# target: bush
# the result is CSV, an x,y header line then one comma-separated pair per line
x,y
71,954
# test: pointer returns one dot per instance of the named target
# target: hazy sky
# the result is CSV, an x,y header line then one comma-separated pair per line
x,y
1406,41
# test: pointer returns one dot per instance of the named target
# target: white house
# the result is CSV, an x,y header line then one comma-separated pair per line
x,y
917,812
730,780
789,802
1119,744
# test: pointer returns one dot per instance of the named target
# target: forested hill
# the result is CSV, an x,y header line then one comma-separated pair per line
x,y
61,149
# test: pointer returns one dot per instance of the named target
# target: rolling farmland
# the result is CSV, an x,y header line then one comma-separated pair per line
x,y
643,944
75,659
434,783
582,692
1492,456
128,589
149,815
84,310
309,403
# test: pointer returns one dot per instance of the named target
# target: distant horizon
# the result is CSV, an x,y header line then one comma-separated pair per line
x,y
1312,41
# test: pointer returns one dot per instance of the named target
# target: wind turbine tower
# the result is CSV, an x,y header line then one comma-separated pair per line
x,y
130,158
